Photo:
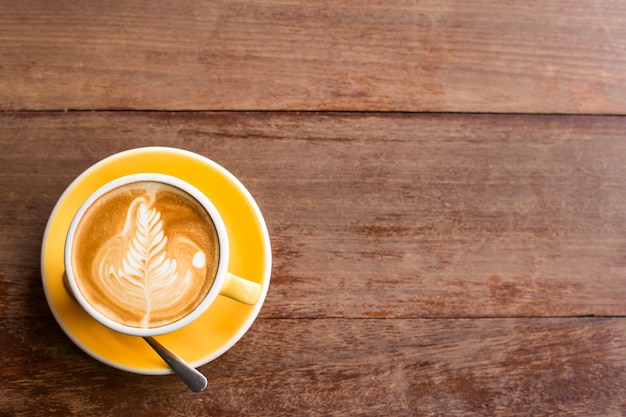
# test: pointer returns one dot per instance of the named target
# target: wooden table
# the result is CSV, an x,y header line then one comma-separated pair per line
x,y
444,184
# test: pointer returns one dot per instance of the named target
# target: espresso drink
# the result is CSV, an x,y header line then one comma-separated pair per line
x,y
145,254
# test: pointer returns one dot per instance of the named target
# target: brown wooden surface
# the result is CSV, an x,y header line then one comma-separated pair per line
x,y
424,264
435,55
453,367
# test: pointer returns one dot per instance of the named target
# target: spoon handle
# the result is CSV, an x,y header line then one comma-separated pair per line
x,y
190,376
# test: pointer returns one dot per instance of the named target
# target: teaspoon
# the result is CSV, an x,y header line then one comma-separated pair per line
x,y
190,376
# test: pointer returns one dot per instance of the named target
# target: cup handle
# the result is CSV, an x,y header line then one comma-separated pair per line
x,y
240,289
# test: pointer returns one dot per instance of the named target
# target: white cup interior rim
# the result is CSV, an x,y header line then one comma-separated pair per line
x,y
223,258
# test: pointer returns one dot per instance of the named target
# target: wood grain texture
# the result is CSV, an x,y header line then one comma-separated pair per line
x,y
489,367
423,264
370,216
451,56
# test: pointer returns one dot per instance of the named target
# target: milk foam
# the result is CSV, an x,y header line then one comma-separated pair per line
x,y
146,254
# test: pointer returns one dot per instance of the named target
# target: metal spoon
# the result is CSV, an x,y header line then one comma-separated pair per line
x,y
190,376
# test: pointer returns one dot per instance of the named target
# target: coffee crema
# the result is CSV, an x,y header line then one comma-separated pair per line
x,y
145,254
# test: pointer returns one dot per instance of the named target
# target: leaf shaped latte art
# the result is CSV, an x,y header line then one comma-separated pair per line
x,y
135,270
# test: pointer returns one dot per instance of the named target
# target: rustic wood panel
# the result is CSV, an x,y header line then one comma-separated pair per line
x,y
424,264
389,215
450,55
489,367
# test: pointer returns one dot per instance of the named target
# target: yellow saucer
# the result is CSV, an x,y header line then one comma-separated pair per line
x,y
223,324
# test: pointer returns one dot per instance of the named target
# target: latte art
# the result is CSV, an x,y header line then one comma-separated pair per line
x,y
145,254
146,275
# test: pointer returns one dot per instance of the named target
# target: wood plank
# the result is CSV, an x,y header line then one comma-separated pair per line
x,y
369,215
435,56
451,367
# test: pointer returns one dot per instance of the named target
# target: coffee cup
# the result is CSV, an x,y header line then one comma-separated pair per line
x,y
147,254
